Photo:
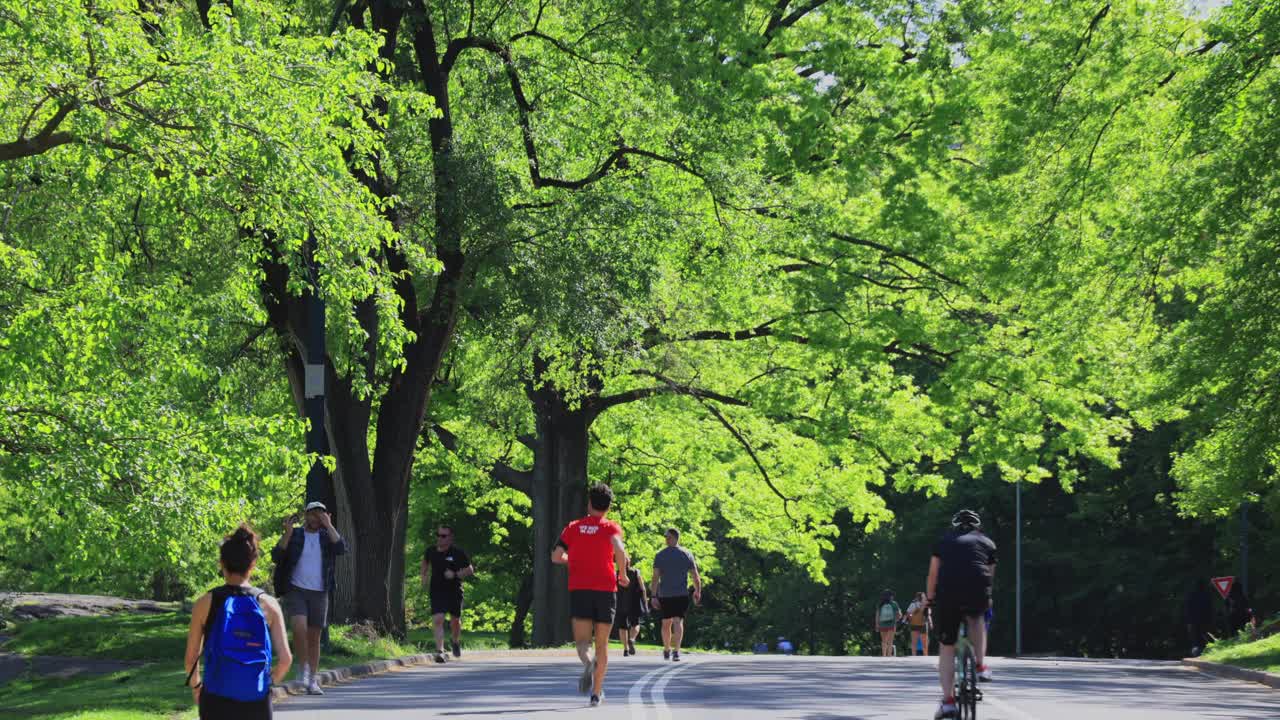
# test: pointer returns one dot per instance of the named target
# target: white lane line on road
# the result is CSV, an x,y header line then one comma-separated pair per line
x,y
635,698
660,693
1014,713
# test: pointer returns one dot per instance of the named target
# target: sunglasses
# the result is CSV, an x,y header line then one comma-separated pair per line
x,y
442,535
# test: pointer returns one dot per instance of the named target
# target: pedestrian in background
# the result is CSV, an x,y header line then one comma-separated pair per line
x,y
633,605
920,619
888,613
672,567
1197,611
305,574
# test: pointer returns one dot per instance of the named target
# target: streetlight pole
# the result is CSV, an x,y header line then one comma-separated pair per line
x,y
313,382
1244,546
313,397
1017,624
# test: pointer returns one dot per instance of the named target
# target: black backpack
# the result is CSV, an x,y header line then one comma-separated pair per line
x,y
282,575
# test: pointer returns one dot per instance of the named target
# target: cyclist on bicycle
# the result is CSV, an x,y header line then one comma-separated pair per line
x,y
959,590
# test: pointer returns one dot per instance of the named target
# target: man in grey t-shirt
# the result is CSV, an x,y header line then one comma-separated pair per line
x,y
671,569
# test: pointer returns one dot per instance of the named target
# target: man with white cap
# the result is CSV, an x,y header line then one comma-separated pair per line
x,y
304,577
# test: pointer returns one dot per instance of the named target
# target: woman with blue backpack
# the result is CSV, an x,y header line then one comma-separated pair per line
x,y
234,630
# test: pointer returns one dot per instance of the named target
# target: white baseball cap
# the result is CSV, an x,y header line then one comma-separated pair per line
x,y
315,505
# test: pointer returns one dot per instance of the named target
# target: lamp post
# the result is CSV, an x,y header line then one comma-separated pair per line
x,y
313,397
313,383
1244,547
1017,623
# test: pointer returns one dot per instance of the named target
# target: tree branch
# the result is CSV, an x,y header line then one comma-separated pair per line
x,y
1074,63
742,440
923,351
778,19
746,445
762,330
669,387
564,48
891,252
615,161
501,472
47,139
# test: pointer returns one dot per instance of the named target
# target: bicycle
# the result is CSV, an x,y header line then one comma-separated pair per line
x,y
967,693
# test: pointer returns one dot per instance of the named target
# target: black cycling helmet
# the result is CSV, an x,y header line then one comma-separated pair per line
x,y
966,518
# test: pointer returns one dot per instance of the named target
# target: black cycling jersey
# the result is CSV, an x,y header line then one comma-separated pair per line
x,y
968,563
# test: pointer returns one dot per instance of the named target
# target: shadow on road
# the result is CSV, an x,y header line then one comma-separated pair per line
x,y
795,689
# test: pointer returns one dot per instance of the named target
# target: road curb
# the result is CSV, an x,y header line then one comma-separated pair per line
x,y
1235,673
351,672
335,676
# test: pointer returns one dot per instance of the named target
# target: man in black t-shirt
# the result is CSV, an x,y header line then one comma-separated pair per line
x,y
448,564
959,590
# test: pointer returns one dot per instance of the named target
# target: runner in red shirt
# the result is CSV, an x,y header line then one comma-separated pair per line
x,y
592,548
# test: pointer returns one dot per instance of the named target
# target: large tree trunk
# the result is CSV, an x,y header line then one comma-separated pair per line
x,y
377,485
524,601
559,496
382,509
343,607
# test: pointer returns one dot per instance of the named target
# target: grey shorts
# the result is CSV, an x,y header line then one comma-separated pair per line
x,y
311,604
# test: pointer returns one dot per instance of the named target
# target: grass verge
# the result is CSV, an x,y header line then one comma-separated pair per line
x,y
150,692
1261,654
153,690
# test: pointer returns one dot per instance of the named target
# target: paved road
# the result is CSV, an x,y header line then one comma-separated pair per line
x,y
797,688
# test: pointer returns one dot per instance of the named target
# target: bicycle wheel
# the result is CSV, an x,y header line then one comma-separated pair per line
x,y
967,698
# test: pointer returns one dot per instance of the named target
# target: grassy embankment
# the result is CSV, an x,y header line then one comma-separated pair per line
x,y
153,690
1263,654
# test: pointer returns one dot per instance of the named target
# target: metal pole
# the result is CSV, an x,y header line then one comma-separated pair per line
x,y
317,440
1017,633
313,397
1244,547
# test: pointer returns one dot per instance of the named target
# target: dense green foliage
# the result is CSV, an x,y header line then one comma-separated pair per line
x,y
142,412
1106,568
792,272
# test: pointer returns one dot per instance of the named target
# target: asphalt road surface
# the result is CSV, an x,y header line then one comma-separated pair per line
x,y
800,688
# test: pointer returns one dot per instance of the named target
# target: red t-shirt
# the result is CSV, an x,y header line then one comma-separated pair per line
x,y
590,544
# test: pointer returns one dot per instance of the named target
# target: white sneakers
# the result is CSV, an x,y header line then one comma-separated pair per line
x,y
310,681
985,675
945,710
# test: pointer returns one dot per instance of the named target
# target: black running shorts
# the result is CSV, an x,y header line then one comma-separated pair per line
x,y
624,621
673,607
446,603
216,707
948,613
595,605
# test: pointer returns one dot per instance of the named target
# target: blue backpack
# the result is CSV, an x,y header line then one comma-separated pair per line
x,y
237,646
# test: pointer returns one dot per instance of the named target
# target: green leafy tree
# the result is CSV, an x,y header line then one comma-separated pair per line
x,y
1147,168
138,423
837,324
